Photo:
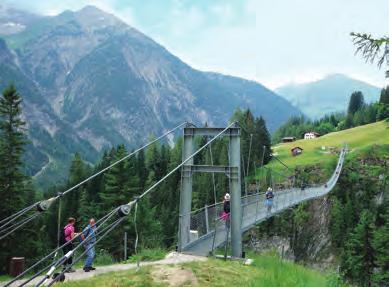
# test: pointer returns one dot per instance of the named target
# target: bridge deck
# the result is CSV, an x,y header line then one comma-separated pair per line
x,y
253,212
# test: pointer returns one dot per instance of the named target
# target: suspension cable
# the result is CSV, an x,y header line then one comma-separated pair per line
x,y
129,206
112,226
22,223
15,216
280,161
99,222
184,162
45,204
213,175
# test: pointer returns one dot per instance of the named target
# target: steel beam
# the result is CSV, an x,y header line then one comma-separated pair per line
x,y
230,171
235,190
186,193
193,131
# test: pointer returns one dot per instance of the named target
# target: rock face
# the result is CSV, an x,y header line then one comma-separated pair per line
x,y
89,81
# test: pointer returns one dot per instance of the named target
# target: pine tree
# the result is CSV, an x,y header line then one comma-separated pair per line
x,y
337,225
358,257
262,139
381,248
115,193
116,189
356,102
13,191
71,202
12,144
384,97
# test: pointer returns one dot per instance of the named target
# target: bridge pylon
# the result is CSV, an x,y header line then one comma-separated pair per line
x,y
232,171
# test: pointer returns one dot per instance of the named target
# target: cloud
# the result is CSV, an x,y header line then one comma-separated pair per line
x,y
270,41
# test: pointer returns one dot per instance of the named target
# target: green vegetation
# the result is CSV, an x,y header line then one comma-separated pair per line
x,y
267,270
313,153
148,255
358,209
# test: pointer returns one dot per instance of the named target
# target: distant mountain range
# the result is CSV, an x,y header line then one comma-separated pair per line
x,y
89,81
328,95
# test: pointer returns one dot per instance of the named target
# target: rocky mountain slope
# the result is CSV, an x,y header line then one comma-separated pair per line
x,y
328,95
89,81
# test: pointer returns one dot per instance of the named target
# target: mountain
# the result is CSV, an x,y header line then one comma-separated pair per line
x,y
14,20
328,95
90,81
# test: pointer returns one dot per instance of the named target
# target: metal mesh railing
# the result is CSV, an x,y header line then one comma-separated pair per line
x,y
206,220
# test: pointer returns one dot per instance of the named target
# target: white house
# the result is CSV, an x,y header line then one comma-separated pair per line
x,y
311,135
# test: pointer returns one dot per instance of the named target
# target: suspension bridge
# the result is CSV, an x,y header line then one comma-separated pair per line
x,y
200,231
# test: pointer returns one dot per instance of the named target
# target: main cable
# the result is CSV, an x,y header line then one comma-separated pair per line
x,y
99,222
112,226
184,162
45,204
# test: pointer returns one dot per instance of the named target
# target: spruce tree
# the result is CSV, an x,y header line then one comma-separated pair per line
x,y
356,102
381,248
384,97
12,180
71,201
12,144
115,193
358,257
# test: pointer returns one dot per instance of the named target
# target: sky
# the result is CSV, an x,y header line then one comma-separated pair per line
x,y
274,42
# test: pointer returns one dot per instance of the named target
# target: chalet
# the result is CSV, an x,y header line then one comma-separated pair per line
x,y
311,135
288,139
296,151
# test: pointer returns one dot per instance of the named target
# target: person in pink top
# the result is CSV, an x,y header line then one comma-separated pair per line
x,y
69,234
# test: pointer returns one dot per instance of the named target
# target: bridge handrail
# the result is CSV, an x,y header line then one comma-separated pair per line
x,y
206,220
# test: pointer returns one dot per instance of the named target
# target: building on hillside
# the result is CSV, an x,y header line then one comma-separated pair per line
x,y
311,135
288,139
296,150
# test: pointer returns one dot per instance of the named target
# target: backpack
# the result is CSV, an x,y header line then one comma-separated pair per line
x,y
62,239
269,195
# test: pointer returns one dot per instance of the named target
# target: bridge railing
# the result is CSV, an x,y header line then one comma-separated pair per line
x,y
207,219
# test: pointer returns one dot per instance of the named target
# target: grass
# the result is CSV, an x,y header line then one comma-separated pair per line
x,y
4,278
357,138
148,255
267,270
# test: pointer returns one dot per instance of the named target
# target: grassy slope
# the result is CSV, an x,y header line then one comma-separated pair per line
x,y
357,138
267,270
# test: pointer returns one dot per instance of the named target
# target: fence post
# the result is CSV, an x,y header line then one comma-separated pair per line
x,y
206,218
125,246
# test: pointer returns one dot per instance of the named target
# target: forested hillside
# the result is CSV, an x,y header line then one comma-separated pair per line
x,y
358,113
158,213
91,82
349,227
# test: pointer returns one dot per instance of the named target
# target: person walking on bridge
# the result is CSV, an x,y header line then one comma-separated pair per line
x,y
88,237
226,209
67,237
269,199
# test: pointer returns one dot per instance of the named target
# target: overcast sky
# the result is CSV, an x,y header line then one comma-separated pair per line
x,y
271,41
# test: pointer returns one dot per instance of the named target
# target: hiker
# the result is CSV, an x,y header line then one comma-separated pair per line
x,y
269,199
88,237
68,235
226,209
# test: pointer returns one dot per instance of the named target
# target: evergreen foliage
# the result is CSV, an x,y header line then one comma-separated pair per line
x,y
15,189
358,257
358,114
356,102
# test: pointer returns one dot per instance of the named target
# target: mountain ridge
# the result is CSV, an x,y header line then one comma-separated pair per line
x,y
327,95
99,82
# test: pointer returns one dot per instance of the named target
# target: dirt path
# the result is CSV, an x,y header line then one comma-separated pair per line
x,y
171,258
